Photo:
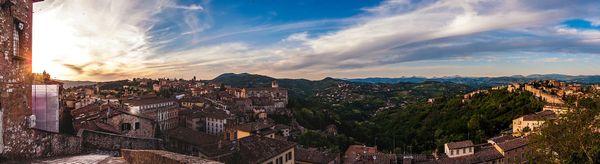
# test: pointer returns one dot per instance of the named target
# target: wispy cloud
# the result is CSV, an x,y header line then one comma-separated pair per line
x,y
190,7
389,36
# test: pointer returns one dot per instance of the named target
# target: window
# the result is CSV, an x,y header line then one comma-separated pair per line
x,y
279,160
464,151
288,156
125,126
137,125
16,41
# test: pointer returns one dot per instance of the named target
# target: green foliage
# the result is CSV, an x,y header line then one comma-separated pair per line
x,y
336,143
420,126
572,139
425,127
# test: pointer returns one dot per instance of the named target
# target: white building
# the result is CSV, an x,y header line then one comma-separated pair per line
x,y
216,119
459,149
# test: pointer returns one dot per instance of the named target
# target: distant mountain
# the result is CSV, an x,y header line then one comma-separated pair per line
x,y
485,81
298,87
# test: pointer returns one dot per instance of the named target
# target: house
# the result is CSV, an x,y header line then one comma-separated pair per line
x,y
367,155
112,118
483,153
514,150
531,122
501,149
315,156
458,149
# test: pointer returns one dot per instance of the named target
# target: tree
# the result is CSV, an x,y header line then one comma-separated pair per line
x,y
574,138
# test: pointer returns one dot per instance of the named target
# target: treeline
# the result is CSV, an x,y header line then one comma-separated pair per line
x,y
420,127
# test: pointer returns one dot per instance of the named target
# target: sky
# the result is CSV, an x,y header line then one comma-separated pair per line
x,y
104,40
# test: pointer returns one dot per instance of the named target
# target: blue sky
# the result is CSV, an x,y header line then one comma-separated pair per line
x,y
313,39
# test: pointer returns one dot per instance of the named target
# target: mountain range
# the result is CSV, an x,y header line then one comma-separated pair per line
x,y
486,81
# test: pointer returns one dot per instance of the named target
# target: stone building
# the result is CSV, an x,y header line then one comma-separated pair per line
x,y
163,111
112,118
531,122
18,136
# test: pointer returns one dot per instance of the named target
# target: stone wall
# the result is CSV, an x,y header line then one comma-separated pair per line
x,y
16,139
45,144
159,156
94,140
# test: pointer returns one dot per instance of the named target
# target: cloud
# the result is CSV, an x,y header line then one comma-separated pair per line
x,y
96,40
190,7
396,33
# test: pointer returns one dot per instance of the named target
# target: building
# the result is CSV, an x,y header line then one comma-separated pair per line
x,y
458,149
531,122
191,102
193,119
513,150
112,118
501,149
131,125
259,150
262,129
315,156
16,113
483,153
163,111
557,108
367,155
216,119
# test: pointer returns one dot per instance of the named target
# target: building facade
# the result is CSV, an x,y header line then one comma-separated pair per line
x,y
531,122
15,78
458,149
163,111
